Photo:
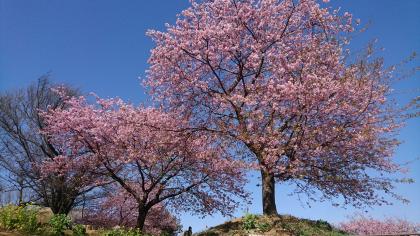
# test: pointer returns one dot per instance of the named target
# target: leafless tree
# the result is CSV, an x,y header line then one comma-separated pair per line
x,y
23,148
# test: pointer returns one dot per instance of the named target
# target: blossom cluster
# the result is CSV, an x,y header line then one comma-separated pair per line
x,y
362,225
147,153
119,209
271,78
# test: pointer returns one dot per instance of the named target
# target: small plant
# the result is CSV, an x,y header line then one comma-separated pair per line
x,y
22,218
8,219
123,232
59,223
79,230
322,224
27,219
263,227
249,222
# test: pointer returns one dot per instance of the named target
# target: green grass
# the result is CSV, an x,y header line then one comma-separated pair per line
x,y
23,220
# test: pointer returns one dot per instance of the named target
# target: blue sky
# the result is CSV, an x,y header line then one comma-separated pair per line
x,y
100,46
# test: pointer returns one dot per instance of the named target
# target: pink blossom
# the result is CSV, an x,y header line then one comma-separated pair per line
x,y
148,153
362,225
269,79
120,209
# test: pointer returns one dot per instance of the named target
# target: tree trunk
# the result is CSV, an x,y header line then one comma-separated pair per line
x,y
268,193
141,218
20,196
61,203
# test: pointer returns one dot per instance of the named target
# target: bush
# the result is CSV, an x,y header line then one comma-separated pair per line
x,y
79,230
250,222
8,219
322,224
28,220
123,232
59,223
22,218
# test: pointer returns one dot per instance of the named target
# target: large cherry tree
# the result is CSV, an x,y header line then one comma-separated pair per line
x,y
271,78
144,152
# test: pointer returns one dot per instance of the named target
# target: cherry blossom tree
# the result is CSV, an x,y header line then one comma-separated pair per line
x,y
136,148
106,213
362,225
271,78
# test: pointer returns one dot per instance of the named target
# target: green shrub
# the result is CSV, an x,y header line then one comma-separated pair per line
x,y
22,218
59,223
123,232
28,220
322,224
8,219
79,230
249,222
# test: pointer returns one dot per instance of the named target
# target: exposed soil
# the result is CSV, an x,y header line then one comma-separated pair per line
x,y
281,225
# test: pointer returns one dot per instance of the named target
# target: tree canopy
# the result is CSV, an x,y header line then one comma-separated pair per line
x,y
273,78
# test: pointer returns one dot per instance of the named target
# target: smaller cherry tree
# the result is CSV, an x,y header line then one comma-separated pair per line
x,y
146,152
105,213
362,225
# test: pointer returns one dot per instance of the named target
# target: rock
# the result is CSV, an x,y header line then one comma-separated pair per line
x,y
93,232
44,215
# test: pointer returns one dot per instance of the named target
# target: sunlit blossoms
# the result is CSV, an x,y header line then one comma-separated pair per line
x,y
361,225
147,154
270,79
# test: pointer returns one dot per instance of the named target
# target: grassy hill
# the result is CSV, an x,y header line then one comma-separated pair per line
x,y
282,225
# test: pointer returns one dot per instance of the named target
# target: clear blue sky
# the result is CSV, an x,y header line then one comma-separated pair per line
x,y
100,46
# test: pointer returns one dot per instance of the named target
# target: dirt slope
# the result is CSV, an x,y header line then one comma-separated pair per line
x,y
283,225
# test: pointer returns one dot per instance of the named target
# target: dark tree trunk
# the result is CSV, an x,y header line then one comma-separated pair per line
x,y
61,205
61,201
268,193
20,196
141,218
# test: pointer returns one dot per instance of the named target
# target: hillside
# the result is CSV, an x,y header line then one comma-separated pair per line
x,y
282,225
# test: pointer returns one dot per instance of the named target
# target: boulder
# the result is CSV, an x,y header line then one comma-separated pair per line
x,y
44,215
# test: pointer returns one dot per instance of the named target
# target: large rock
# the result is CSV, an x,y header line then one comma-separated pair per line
x,y
44,215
